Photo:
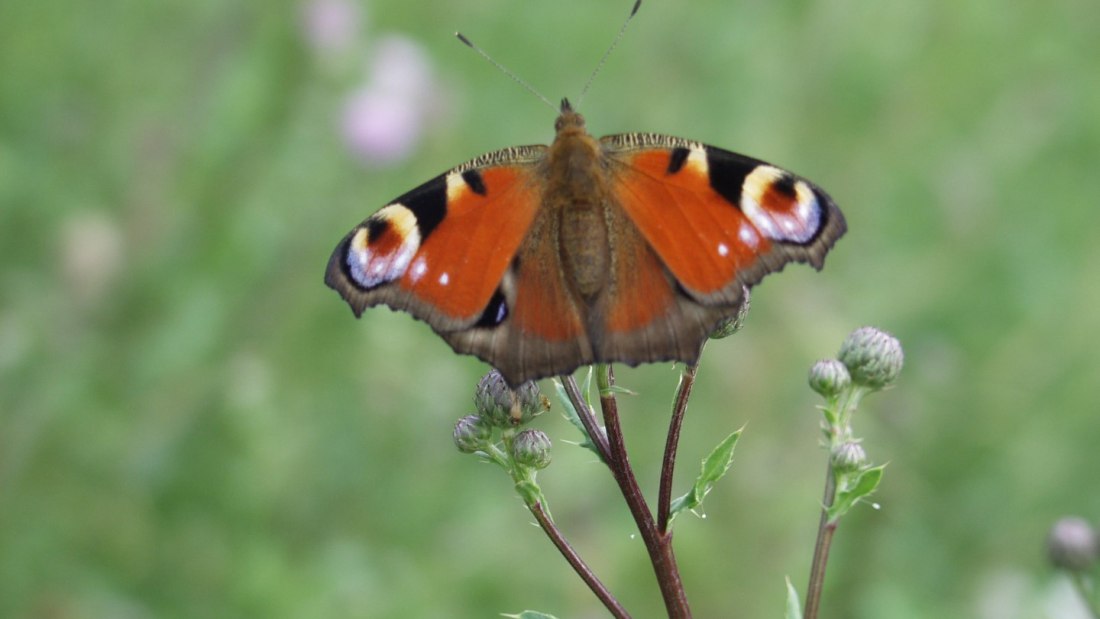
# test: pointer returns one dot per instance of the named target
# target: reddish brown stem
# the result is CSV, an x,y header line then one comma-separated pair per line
x,y
664,497
825,531
658,543
613,606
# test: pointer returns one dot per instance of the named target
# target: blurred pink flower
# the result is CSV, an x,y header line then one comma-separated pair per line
x,y
380,127
400,65
331,26
383,120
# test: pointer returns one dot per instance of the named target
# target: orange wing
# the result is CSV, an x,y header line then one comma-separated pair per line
x,y
441,250
718,220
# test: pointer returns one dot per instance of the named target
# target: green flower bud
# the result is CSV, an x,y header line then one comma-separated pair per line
x,y
531,448
471,434
1072,545
501,406
849,457
874,358
732,324
829,377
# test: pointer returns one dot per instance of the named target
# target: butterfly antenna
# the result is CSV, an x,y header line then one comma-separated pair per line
x,y
503,69
618,37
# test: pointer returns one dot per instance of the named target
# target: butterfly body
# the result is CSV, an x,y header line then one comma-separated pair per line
x,y
541,259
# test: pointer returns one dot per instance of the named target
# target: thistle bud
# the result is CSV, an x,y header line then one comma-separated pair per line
x,y
1072,545
531,448
849,457
471,434
500,406
732,324
829,377
873,357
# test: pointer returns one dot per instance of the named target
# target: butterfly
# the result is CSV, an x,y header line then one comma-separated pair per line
x,y
540,259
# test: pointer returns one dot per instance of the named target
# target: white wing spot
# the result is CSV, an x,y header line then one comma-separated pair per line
x,y
444,279
748,236
723,249
419,268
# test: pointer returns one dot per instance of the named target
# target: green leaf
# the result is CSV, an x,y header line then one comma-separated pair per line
x,y
853,488
613,389
571,412
794,605
714,467
529,614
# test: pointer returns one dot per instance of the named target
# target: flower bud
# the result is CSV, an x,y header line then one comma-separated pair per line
x,y
1072,545
829,377
732,324
471,434
849,457
874,358
531,448
501,406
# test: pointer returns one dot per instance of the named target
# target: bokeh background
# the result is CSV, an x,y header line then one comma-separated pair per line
x,y
192,425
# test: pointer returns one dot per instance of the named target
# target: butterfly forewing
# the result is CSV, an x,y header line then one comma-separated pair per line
x,y
718,220
441,250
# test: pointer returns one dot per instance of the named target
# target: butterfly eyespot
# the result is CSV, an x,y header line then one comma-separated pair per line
x,y
380,251
782,207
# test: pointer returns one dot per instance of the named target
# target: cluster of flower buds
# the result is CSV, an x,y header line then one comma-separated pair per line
x,y
868,358
502,408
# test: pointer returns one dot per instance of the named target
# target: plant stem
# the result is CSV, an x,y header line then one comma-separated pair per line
x,y
825,530
658,543
668,465
613,606
587,417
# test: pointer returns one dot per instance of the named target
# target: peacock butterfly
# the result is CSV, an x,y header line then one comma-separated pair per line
x,y
541,259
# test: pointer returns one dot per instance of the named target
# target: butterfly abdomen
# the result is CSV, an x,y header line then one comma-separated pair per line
x,y
576,197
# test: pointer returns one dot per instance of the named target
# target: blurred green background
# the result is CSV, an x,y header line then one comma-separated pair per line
x,y
192,425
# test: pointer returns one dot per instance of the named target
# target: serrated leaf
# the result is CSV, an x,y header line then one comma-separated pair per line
x,y
854,491
570,413
794,604
713,468
529,614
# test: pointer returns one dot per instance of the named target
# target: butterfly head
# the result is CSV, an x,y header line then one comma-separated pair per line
x,y
568,120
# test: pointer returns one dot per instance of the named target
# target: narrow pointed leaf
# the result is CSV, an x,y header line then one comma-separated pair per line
x,y
794,605
571,414
713,468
